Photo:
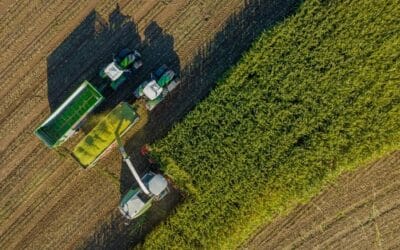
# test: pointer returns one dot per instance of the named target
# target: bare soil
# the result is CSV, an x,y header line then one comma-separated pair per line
x,y
359,211
47,49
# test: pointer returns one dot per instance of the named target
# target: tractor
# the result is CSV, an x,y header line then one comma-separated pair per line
x,y
126,61
162,81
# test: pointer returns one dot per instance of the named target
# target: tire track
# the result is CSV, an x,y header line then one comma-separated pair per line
x,y
20,193
9,17
348,212
24,219
27,18
73,215
32,48
353,232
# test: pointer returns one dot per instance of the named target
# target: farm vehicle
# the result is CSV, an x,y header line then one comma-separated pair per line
x,y
153,91
67,118
151,187
126,61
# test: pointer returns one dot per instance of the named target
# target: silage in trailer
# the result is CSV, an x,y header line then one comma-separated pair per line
x,y
101,137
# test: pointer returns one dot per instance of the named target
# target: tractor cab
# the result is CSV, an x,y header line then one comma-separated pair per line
x,y
135,202
126,61
113,71
152,90
163,80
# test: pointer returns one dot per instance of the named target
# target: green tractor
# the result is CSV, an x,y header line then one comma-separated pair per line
x,y
163,81
126,61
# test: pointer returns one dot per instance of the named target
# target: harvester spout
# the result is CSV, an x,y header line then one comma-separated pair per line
x,y
135,174
128,162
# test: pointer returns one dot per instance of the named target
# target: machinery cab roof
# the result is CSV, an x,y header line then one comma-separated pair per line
x,y
157,185
135,202
113,71
152,90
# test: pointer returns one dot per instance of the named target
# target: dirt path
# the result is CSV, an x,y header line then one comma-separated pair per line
x,y
360,211
48,48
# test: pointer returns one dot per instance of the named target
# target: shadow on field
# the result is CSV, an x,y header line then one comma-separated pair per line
x,y
83,53
158,49
198,79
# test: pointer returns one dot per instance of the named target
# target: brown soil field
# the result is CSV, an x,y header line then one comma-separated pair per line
x,y
361,210
47,49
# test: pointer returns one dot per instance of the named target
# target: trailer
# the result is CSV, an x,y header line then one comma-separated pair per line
x,y
103,135
66,119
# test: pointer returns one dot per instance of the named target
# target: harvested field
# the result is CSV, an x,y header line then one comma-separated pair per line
x,y
359,211
48,48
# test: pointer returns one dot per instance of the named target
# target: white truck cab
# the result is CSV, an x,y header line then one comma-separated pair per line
x,y
152,90
113,71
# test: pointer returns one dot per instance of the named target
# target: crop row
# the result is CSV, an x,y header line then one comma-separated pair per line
x,y
314,96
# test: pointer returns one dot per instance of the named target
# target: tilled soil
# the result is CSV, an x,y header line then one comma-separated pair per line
x,y
47,49
359,211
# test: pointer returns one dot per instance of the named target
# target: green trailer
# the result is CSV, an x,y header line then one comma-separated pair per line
x,y
103,135
63,122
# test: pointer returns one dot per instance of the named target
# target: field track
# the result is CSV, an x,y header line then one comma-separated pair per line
x,y
49,47
359,211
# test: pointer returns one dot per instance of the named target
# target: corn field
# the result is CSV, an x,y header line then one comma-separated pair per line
x,y
316,95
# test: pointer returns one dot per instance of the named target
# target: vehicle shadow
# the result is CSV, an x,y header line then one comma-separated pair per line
x,y
157,49
83,53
